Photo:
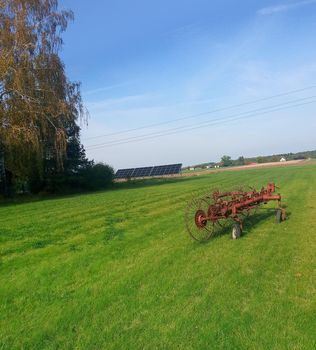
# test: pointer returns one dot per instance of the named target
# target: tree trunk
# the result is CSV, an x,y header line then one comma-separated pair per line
x,y
8,183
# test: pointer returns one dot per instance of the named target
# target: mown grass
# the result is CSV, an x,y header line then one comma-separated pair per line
x,y
116,270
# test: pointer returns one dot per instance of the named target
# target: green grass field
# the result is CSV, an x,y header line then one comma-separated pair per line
x,y
117,270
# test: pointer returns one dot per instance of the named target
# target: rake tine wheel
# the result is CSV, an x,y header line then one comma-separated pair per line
x,y
199,228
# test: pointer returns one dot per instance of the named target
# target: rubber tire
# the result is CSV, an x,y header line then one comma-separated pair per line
x,y
236,231
278,216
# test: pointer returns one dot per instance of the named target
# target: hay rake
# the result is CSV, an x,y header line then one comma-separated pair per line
x,y
207,215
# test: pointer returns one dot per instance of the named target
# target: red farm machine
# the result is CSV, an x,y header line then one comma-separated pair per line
x,y
207,215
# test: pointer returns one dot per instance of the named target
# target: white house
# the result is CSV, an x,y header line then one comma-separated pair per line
x,y
282,159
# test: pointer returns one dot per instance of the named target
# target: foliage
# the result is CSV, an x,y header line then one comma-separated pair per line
x,y
260,160
36,98
69,178
97,176
226,161
78,173
116,270
240,161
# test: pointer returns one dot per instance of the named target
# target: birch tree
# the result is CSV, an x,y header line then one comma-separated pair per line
x,y
36,98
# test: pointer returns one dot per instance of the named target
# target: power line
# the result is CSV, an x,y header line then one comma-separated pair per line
x,y
198,127
206,122
232,117
204,113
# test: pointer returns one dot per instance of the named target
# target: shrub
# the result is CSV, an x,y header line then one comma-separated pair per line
x,y
97,176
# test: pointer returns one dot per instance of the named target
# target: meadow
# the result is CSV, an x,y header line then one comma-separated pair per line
x,y
117,270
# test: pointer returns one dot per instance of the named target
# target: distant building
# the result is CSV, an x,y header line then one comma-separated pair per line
x,y
282,159
192,169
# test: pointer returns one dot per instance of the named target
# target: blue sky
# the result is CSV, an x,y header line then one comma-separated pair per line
x,y
145,62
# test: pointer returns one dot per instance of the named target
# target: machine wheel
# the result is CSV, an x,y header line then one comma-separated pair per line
x,y
278,216
199,228
236,231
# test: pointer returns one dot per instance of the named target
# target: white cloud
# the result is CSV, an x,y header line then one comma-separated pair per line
x,y
122,101
284,7
105,88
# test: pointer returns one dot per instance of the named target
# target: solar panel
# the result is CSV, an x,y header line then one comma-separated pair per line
x,y
159,170
142,172
124,173
166,169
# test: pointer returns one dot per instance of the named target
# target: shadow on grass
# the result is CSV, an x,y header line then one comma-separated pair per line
x,y
261,215
154,182
249,224
133,184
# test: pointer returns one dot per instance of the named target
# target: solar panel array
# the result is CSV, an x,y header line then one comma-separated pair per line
x,y
159,170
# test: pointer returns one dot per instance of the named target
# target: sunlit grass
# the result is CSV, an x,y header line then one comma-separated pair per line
x,y
116,270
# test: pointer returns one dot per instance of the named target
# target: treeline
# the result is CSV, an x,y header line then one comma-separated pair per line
x,y
228,161
277,157
40,109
